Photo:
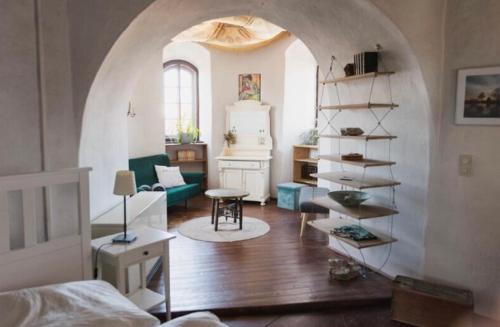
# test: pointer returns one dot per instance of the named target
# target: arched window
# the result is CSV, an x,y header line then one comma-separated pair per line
x,y
180,82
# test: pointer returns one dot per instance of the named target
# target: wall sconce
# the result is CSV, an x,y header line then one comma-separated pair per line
x,y
130,112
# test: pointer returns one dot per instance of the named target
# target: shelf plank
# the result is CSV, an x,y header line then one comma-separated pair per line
x,y
363,211
306,181
359,106
308,160
146,299
306,146
355,77
187,161
326,225
356,180
359,137
359,163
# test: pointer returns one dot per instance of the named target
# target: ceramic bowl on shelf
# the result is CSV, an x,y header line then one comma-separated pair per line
x,y
349,198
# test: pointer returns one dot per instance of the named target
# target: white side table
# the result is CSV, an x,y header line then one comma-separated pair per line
x,y
150,243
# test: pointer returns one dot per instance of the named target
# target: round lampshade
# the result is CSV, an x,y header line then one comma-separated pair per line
x,y
125,183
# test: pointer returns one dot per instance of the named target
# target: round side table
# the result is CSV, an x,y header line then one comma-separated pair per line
x,y
221,194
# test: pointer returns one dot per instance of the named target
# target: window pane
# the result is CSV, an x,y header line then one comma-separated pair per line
x,y
186,78
171,77
171,95
186,95
171,111
170,126
187,112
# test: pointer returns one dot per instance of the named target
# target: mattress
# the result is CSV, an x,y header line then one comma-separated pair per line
x,y
83,303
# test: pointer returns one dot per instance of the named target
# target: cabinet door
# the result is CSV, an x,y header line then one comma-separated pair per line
x,y
253,182
232,178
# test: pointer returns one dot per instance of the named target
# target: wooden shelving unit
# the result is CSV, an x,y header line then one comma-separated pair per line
x,y
359,106
328,224
355,77
301,158
199,164
365,163
356,180
359,137
363,211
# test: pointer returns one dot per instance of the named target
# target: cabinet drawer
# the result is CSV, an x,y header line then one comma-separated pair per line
x,y
140,255
240,164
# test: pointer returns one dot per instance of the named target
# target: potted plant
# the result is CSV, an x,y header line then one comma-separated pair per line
x,y
230,138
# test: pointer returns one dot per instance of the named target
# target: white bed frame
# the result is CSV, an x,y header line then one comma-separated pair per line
x,y
56,259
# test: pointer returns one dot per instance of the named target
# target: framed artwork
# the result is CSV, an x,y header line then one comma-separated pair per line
x,y
478,96
249,87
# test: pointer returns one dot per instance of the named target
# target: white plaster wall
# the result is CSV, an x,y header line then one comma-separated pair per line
x,y
462,236
146,130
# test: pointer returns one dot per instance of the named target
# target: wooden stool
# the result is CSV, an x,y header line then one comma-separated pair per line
x,y
308,209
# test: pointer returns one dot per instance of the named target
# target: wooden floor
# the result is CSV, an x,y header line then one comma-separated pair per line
x,y
275,273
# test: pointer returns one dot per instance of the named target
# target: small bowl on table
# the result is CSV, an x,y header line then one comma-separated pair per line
x,y
349,198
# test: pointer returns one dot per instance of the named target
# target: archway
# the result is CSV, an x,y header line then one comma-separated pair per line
x,y
342,27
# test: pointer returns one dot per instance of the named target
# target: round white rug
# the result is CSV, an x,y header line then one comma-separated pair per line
x,y
201,229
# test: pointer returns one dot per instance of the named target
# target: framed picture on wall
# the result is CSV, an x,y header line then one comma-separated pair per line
x,y
478,96
249,87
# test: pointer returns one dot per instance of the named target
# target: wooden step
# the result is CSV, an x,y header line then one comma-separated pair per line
x,y
356,180
355,77
359,163
358,106
328,224
363,211
359,137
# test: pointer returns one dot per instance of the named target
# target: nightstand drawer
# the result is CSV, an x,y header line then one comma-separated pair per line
x,y
139,255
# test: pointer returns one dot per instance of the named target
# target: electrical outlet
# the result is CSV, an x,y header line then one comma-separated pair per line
x,y
465,165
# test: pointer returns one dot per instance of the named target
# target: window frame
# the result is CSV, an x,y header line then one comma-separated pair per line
x,y
196,93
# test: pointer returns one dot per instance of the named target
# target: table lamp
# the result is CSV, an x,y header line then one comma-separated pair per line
x,y
125,185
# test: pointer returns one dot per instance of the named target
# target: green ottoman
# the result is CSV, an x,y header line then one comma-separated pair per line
x,y
288,195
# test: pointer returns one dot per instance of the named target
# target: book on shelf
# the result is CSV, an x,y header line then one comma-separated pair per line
x,y
366,62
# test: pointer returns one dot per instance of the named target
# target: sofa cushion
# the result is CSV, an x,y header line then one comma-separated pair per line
x,y
144,168
169,176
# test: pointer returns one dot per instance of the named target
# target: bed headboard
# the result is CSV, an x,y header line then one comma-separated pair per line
x,y
44,228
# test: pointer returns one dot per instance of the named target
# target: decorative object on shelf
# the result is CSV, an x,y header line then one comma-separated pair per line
x,y
230,138
308,170
478,96
351,131
125,185
352,156
310,137
249,87
341,269
349,198
186,155
354,232
366,62
349,70
314,154
130,112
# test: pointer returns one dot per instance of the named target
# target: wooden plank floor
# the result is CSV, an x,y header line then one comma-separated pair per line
x,y
277,272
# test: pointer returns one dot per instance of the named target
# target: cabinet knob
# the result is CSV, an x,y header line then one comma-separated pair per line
x,y
145,252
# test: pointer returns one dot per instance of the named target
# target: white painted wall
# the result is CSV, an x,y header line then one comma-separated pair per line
x,y
146,130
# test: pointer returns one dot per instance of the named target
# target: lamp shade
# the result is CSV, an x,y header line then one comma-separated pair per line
x,y
125,183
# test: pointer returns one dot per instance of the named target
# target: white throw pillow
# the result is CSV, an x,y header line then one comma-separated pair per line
x,y
169,176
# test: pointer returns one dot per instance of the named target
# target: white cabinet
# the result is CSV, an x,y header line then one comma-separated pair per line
x,y
249,175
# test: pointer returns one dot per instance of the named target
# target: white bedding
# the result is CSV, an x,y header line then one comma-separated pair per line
x,y
85,303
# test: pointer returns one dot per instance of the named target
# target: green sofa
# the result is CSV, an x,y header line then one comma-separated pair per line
x,y
145,174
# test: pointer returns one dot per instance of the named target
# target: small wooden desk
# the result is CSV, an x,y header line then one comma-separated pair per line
x,y
150,243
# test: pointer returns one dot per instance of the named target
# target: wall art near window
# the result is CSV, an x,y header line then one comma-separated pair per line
x,y
249,87
478,96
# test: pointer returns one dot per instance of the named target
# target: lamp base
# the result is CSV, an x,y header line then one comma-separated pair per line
x,y
124,238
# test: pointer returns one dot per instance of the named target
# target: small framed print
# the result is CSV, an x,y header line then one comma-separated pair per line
x,y
478,96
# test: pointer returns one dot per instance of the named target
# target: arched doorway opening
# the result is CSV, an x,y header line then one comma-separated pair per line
x,y
340,27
